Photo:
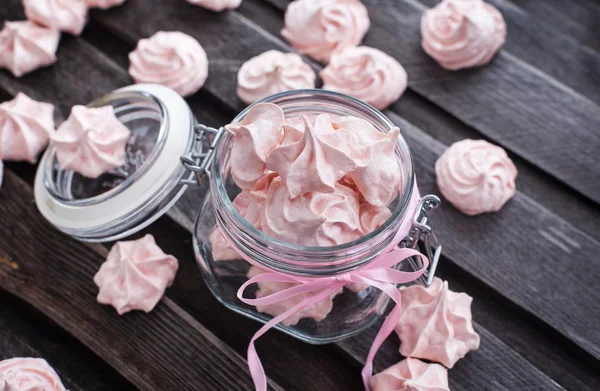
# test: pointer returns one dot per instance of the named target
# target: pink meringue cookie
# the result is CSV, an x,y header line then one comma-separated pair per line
x,y
317,311
436,323
317,28
476,176
25,47
411,375
1,173
272,72
91,141
103,4
377,175
312,219
28,374
135,275
173,59
307,164
255,137
217,5
25,128
220,248
372,217
64,15
462,33
367,74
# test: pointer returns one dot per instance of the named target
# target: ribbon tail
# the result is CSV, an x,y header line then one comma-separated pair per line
x,y
254,364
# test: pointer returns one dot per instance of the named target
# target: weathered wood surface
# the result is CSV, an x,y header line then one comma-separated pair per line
x,y
164,350
509,101
522,223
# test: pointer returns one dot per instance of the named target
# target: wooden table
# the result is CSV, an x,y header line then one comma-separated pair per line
x,y
532,268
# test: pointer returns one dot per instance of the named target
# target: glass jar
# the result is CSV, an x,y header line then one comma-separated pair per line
x,y
126,200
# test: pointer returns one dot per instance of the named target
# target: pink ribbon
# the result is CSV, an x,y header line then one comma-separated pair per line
x,y
378,273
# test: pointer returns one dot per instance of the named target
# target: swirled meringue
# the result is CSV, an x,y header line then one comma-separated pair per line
x,y
272,72
25,128
217,5
317,28
91,141
372,217
365,73
317,311
411,375
312,219
104,4
25,47
305,163
135,275
462,33
28,374
64,15
220,248
255,137
436,323
173,59
476,176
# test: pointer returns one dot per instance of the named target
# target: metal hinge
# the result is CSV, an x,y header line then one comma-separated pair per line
x,y
197,161
423,235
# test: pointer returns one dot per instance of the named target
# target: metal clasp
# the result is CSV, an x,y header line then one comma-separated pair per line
x,y
422,235
198,161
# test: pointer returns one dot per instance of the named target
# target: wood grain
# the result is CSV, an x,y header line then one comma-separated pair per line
x,y
509,101
164,350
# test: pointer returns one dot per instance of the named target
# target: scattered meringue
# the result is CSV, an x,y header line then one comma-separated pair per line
x,y
272,72
476,176
25,128
28,374
462,33
305,163
135,275
317,28
217,5
103,4
317,311
411,375
91,141
255,137
367,74
312,219
25,47
173,59
436,323
64,15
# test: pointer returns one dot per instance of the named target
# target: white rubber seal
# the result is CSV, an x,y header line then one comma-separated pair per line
x,y
73,218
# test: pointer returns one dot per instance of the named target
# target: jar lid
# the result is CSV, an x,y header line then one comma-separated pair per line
x,y
125,200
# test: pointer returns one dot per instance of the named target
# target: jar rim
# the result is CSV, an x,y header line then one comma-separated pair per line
x,y
400,209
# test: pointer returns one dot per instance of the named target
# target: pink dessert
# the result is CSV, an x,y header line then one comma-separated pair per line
x,y
173,59
1,173
26,46
476,176
104,4
91,141
135,275
217,5
317,28
65,15
273,72
28,374
436,323
462,33
367,74
411,375
25,128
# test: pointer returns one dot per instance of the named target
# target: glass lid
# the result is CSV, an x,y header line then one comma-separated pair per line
x,y
125,200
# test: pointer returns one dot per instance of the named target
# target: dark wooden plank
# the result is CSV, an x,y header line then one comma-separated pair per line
x,y
576,18
320,363
532,40
508,101
79,369
164,350
521,227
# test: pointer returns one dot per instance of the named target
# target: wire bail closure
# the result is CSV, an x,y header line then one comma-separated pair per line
x,y
197,161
